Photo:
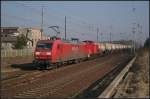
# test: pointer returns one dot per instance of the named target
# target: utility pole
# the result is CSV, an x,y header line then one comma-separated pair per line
x,y
42,23
97,33
133,31
110,33
141,36
138,28
65,27
110,37
101,36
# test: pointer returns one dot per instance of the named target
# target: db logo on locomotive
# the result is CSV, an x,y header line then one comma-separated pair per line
x,y
75,48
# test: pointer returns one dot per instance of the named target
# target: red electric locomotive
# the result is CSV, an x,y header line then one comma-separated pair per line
x,y
92,48
49,52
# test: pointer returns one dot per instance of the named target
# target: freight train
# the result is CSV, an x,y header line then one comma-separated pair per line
x,y
55,52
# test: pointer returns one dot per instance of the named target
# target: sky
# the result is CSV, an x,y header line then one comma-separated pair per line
x,y
82,18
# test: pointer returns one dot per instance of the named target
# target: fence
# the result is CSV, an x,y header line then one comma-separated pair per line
x,y
17,52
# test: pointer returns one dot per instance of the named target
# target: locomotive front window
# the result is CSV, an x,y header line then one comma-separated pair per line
x,y
44,45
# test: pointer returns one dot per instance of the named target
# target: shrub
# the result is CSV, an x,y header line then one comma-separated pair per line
x,y
21,42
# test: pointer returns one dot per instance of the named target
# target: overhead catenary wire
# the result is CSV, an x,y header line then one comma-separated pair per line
x,y
33,10
18,18
79,24
72,19
78,20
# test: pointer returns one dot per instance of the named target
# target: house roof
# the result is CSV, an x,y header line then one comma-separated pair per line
x,y
9,27
8,39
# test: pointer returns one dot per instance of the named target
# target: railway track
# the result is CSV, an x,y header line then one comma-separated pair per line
x,y
99,86
18,76
22,73
24,76
67,81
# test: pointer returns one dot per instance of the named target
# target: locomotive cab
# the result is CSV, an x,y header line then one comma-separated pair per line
x,y
44,53
43,50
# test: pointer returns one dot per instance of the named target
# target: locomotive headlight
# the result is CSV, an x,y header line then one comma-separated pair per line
x,y
48,53
37,53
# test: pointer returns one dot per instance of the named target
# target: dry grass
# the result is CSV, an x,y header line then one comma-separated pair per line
x,y
138,84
